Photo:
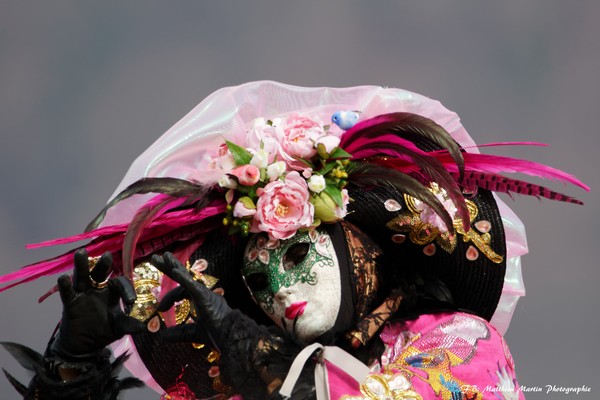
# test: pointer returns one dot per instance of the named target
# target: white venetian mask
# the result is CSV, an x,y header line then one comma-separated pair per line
x,y
296,281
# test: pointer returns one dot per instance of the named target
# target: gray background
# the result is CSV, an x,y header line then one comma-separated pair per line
x,y
85,87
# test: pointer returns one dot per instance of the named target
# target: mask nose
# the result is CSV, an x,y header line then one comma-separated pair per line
x,y
283,294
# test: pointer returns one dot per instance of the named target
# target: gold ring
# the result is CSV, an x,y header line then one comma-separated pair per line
x,y
92,261
98,285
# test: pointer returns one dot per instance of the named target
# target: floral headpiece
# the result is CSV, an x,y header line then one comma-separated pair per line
x,y
292,177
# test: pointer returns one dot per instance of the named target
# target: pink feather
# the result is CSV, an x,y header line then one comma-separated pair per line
x,y
500,144
357,147
166,229
499,183
173,219
498,164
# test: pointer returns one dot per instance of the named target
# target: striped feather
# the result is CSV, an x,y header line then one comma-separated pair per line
x,y
500,164
499,183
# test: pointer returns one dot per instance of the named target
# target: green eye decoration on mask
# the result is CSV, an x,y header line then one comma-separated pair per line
x,y
270,265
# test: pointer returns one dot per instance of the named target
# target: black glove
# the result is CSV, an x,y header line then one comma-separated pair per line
x,y
211,308
92,317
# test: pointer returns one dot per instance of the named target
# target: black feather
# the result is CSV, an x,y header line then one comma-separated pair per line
x,y
435,171
370,175
170,186
27,357
125,383
140,220
19,387
409,126
436,289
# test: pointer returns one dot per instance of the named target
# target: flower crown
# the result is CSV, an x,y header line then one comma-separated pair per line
x,y
291,174
290,177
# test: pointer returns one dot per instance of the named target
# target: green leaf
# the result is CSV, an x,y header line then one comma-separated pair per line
x,y
340,153
240,155
252,192
328,167
331,181
335,194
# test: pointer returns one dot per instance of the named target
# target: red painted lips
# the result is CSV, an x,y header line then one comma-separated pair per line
x,y
295,310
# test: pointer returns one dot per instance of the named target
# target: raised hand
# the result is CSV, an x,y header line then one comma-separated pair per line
x,y
92,317
211,308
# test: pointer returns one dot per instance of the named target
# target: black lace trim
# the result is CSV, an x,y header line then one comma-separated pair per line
x,y
255,356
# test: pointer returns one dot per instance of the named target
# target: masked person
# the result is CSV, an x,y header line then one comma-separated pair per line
x,y
281,241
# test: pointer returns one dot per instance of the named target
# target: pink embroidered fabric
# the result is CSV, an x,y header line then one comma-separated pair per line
x,y
436,356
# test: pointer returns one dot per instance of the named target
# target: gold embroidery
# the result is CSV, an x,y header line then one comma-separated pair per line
x,y
422,233
430,358
146,283
450,344
388,385
213,356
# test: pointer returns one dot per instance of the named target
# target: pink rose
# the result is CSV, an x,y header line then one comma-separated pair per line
x,y
246,175
297,138
283,207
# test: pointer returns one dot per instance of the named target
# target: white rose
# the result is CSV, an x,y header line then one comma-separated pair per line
x,y
226,162
260,159
227,182
330,142
316,183
275,170
261,136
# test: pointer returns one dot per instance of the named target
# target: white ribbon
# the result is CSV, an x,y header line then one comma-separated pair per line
x,y
341,359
